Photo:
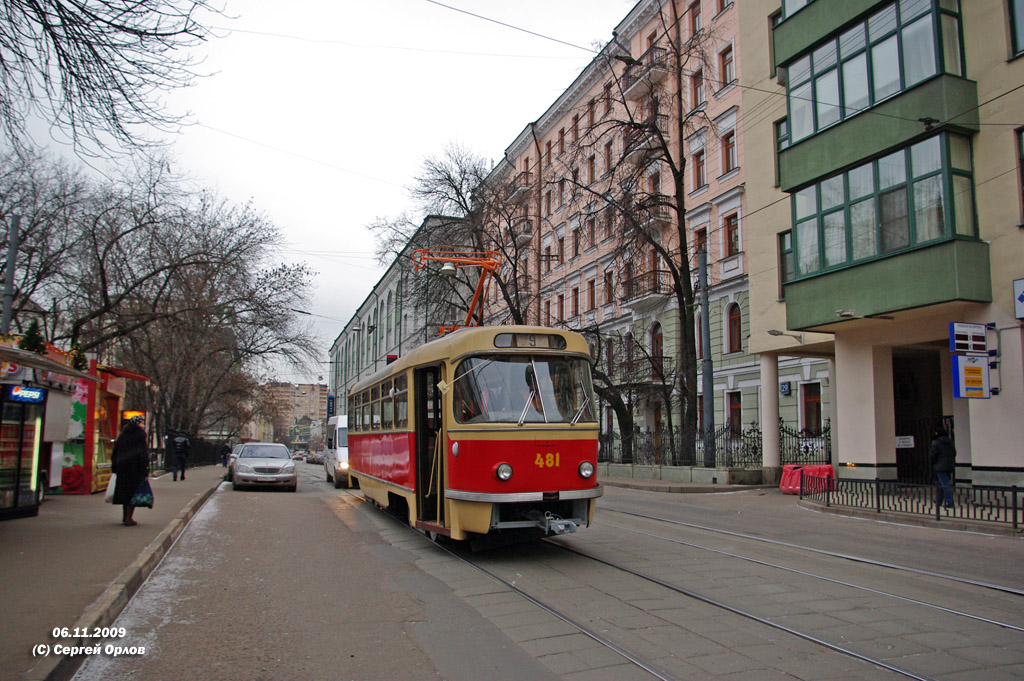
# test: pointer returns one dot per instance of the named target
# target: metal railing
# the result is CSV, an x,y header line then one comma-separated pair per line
x,y
734,448
805,447
981,503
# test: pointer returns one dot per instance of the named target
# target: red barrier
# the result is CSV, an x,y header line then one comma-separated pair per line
x,y
790,482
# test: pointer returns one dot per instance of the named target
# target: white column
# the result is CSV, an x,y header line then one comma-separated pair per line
x,y
770,451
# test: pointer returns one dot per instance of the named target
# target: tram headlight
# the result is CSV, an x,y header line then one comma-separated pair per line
x,y
586,469
503,471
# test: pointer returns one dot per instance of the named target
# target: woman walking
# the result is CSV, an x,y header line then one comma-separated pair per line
x,y
130,462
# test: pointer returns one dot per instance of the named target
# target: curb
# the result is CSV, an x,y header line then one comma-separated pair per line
x,y
681,488
109,605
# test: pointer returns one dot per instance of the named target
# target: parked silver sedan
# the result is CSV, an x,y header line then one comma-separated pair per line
x,y
265,464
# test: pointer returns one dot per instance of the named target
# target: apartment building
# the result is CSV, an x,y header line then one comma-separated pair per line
x,y
892,241
633,170
293,402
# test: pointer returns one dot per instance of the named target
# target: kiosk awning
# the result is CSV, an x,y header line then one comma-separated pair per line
x,y
37,361
123,373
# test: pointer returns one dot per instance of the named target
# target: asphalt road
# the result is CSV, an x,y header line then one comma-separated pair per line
x,y
272,585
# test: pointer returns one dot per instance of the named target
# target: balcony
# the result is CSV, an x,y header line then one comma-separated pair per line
x,y
521,232
648,290
520,186
641,142
640,79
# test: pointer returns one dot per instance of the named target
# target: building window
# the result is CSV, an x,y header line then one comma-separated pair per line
x,y
591,231
735,400
609,221
729,152
575,127
608,149
695,20
781,144
607,96
700,240
576,237
894,50
547,313
657,352
700,178
591,109
810,407
547,258
561,250
547,153
592,294
547,203
791,6
785,261
609,290
732,234
735,339
561,307
1017,25
917,195
697,88
726,68
591,170
575,301
1020,168
561,140
609,356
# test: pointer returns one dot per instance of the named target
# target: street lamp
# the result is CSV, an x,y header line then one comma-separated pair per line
x,y
798,336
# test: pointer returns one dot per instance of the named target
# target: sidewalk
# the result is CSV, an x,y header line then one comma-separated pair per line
x,y
676,487
76,565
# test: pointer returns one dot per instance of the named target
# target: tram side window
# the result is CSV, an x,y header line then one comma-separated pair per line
x,y
401,401
375,407
364,411
353,408
386,406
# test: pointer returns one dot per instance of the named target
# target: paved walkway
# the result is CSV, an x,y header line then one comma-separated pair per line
x,y
76,565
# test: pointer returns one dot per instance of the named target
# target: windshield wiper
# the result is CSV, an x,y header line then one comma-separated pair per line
x,y
526,407
586,403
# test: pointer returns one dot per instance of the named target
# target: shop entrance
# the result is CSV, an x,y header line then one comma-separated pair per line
x,y
917,395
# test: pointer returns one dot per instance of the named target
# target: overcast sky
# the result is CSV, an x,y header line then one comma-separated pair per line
x,y
321,112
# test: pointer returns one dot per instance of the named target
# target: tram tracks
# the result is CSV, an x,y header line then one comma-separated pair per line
x,y
833,554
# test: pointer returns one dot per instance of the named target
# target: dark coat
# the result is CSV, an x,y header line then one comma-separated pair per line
x,y
180,447
943,455
130,461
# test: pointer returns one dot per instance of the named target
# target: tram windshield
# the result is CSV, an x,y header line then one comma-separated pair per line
x,y
523,389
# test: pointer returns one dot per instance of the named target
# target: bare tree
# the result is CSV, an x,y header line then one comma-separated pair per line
x,y
96,68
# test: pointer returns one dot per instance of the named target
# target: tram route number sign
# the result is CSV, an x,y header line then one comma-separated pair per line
x,y
970,377
968,338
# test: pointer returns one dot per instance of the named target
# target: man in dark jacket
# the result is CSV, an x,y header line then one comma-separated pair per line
x,y
130,462
179,451
943,463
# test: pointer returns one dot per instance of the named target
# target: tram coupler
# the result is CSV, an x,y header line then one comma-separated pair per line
x,y
552,524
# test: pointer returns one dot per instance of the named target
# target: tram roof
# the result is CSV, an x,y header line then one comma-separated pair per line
x,y
473,339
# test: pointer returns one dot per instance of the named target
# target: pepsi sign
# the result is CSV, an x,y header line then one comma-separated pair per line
x,y
24,393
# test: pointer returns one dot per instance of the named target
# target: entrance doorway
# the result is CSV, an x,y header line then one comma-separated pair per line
x,y
429,446
917,401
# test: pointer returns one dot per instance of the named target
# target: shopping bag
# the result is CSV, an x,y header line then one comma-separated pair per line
x,y
143,494
108,496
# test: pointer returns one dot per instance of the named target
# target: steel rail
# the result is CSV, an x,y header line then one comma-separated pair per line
x,y
748,615
834,554
839,582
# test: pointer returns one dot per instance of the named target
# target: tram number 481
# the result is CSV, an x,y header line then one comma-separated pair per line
x,y
548,460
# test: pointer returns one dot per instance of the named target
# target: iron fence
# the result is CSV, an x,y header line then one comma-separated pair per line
x,y
734,448
805,447
201,453
983,503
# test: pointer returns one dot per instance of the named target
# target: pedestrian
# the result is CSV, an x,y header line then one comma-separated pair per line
x,y
224,451
179,449
130,462
944,464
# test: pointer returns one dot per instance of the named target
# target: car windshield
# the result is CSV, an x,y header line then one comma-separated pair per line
x,y
264,452
523,389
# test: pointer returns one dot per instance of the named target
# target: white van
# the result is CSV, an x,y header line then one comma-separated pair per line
x,y
336,457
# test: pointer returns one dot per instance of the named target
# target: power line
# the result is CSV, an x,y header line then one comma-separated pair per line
x,y
514,28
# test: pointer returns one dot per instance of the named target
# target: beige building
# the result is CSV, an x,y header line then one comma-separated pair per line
x,y
893,131
295,401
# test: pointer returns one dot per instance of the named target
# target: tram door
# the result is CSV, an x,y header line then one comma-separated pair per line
x,y
429,446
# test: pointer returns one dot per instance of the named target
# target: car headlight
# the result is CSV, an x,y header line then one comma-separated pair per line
x,y
243,468
586,469
503,471
288,468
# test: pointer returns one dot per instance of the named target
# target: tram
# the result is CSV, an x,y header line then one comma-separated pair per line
x,y
485,431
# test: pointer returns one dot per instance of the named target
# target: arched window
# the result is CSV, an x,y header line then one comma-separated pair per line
x,y
735,328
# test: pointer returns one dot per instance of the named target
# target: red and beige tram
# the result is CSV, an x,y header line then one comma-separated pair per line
x,y
485,430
